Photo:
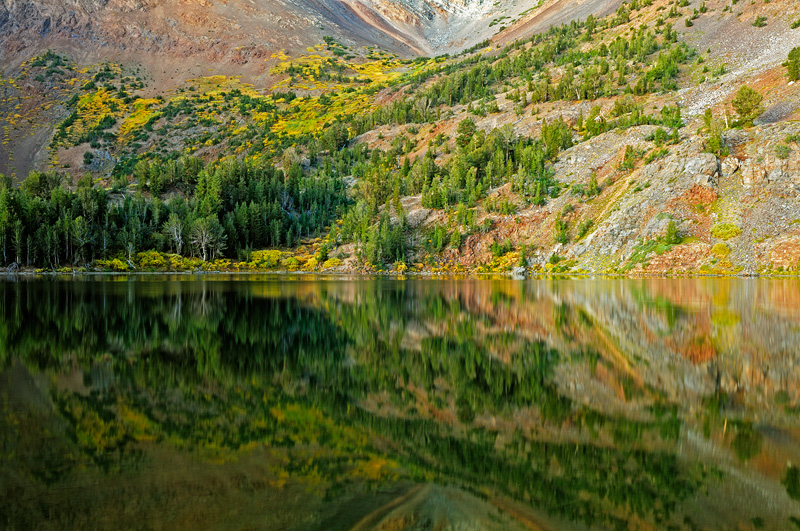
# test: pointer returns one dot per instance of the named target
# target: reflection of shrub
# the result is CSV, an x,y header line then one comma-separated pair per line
x,y
725,231
792,482
747,443
464,410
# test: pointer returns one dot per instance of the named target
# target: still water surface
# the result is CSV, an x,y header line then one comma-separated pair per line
x,y
266,402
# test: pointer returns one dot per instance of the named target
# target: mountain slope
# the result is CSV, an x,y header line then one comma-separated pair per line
x,y
613,144
238,30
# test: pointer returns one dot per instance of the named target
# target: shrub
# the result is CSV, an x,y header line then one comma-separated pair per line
x,y
311,264
438,238
499,249
561,231
331,262
265,259
721,249
584,228
760,21
118,265
747,105
725,231
291,263
782,151
152,260
672,237
455,239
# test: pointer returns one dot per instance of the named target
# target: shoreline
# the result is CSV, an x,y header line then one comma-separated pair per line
x,y
401,275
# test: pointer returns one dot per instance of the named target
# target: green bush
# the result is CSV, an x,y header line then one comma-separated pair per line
x,y
672,237
585,227
561,231
500,249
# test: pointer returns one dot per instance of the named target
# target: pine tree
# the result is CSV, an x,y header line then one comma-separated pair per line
x,y
793,64
748,105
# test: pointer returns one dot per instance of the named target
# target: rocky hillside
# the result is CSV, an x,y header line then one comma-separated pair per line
x,y
242,32
734,214
648,137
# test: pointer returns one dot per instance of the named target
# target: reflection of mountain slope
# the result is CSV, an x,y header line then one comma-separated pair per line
x,y
571,397
435,507
675,336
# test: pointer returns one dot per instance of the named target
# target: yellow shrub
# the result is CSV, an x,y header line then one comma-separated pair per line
x,y
118,265
291,263
721,249
217,265
265,259
152,260
331,262
725,231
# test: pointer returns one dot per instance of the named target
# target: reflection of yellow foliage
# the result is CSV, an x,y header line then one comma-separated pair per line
x,y
376,469
139,426
724,318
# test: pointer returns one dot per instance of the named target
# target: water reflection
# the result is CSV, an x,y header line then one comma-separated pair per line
x,y
273,402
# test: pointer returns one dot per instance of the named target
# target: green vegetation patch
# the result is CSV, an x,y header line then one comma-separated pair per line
x,y
725,231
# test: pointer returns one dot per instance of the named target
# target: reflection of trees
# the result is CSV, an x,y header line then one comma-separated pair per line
x,y
203,326
212,364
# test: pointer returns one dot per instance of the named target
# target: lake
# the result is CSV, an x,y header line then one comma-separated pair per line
x,y
280,402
